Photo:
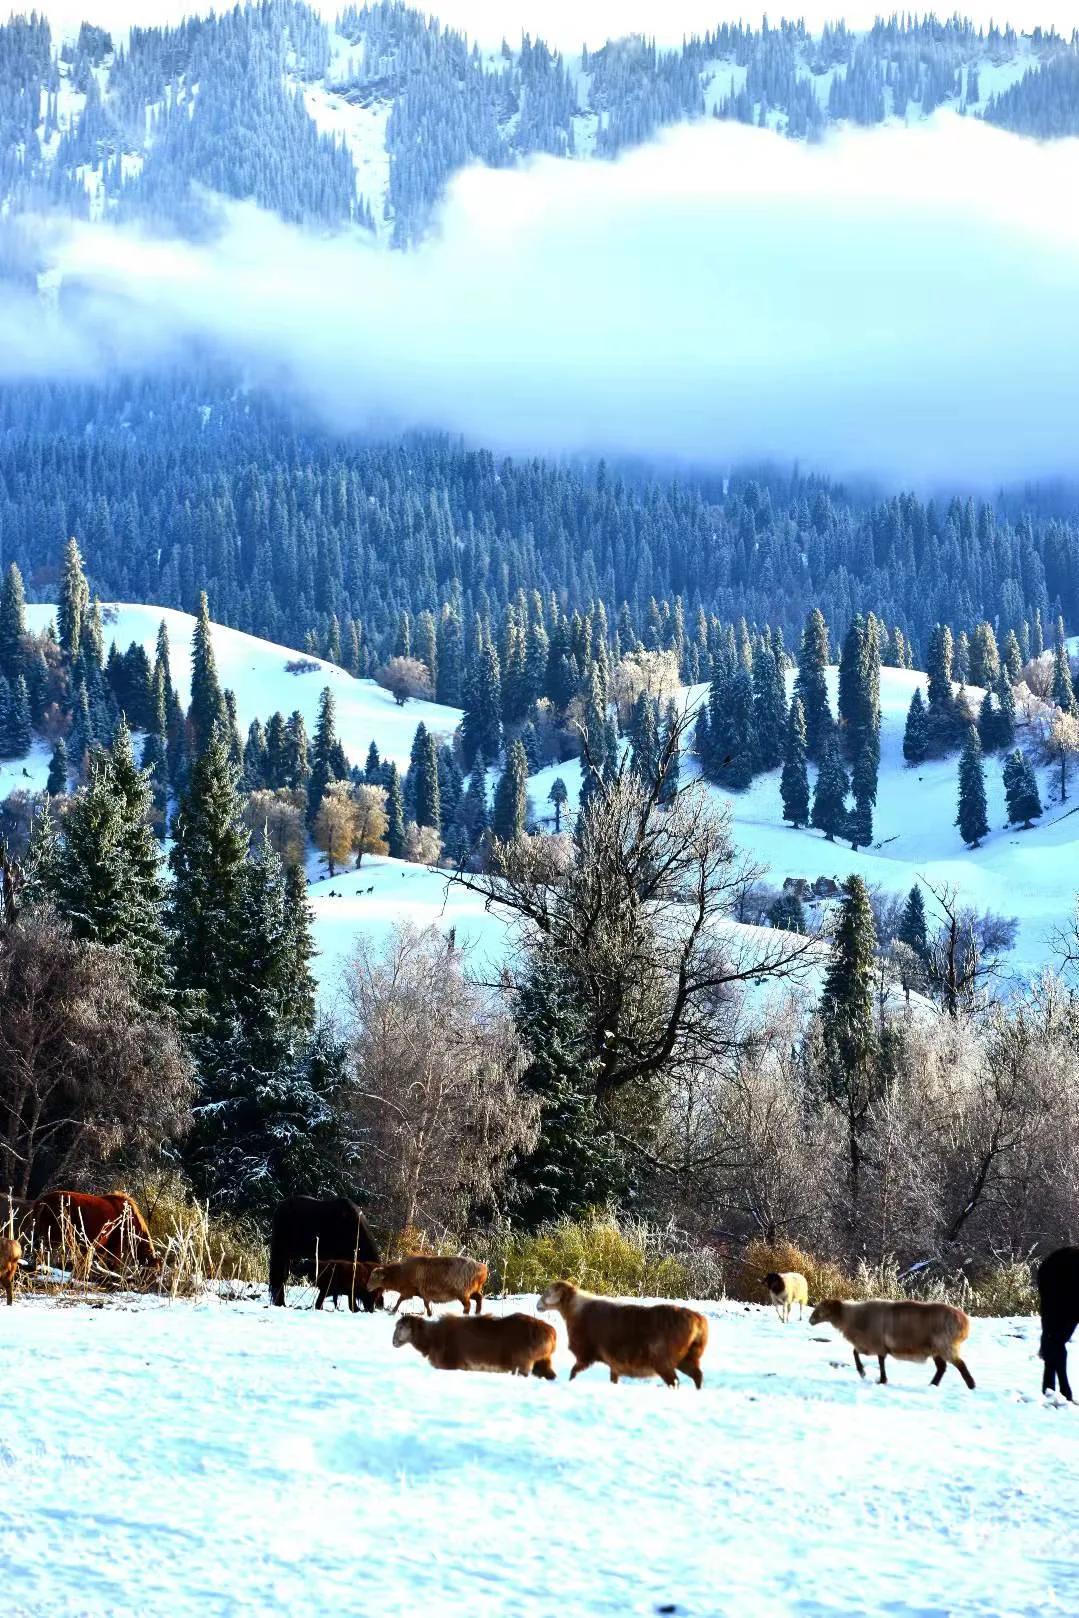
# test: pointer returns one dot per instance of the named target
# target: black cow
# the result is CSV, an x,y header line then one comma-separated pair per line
x,y
310,1233
1058,1292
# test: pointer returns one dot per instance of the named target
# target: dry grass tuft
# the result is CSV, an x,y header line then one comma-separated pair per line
x,y
615,1257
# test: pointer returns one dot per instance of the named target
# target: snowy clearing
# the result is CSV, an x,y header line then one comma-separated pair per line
x,y
220,1458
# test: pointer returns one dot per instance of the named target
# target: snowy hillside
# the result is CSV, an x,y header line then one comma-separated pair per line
x,y
224,1458
1032,875
257,671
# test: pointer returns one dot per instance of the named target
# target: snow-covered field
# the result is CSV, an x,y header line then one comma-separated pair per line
x,y
218,1458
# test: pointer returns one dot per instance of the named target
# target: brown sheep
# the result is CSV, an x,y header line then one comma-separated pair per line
x,y
434,1279
787,1288
10,1254
906,1330
631,1339
344,1277
519,1344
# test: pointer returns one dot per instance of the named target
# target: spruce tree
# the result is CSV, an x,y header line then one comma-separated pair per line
x,y
734,736
558,796
943,725
644,739
916,734
41,861
372,770
847,1001
254,763
19,732
56,785
327,758
207,709
450,784
481,726
849,705
1005,716
208,859
277,753
576,1164
812,685
396,841
12,624
297,764
794,782
428,795
864,788
1063,690
849,1072
511,797
448,686
1013,658
769,709
972,817
830,794
108,882
1021,790
263,1122
73,606
913,929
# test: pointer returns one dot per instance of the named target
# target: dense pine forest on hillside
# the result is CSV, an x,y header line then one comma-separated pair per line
x,y
221,101
289,529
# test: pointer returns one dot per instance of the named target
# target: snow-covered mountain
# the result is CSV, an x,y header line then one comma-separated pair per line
x,y
367,117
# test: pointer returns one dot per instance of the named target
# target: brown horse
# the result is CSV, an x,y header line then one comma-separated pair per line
x,y
110,1227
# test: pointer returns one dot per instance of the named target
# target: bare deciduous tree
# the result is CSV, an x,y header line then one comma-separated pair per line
x,y
88,1078
637,912
405,677
435,1112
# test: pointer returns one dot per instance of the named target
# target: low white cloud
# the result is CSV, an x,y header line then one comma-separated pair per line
x,y
899,302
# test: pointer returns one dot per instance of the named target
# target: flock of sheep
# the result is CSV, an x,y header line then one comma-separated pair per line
x,y
631,1339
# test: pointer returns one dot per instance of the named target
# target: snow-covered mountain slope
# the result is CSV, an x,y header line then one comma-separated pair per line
x,y
257,671
225,1458
1030,875
124,122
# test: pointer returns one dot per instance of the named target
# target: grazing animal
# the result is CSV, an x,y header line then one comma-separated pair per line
x,y
631,1339
520,1344
434,1279
1058,1296
787,1288
309,1232
344,1278
10,1254
112,1227
907,1330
